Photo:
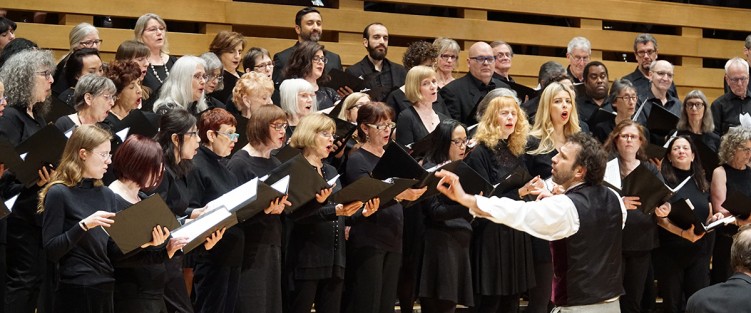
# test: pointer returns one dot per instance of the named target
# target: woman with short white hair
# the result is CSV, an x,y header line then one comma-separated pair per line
x,y
298,99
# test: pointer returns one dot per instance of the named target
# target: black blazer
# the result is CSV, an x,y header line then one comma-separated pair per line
x,y
364,69
462,95
281,59
730,296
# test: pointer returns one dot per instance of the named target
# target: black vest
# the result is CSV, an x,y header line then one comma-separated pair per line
x,y
587,265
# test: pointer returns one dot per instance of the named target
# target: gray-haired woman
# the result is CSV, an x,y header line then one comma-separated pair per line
x,y
94,97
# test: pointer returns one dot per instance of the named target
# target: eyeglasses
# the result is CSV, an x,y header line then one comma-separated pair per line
x,y
324,60
744,149
47,74
355,106
668,74
695,105
231,136
199,76
191,134
483,59
265,65
628,98
642,53
388,126
736,80
106,156
500,55
219,78
110,97
279,126
153,29
447,57
90,43
3,99
460,142
326,134
579,59
629,136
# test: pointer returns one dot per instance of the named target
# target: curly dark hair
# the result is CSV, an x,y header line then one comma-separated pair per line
x,y
122,73
591,156
417,53
300,63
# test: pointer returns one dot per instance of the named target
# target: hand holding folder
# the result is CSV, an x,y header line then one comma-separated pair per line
x,y
642,183
682,215
133,226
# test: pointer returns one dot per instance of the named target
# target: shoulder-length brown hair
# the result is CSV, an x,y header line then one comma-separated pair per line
x,y
488,128
611,148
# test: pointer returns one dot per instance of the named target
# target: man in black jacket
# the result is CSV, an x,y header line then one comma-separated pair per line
x,y
380,75
462,95
308,26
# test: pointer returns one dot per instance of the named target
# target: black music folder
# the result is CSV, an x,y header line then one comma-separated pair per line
x,y
398,185
514,180
241,129
136,123
305,182
600,116
661,120
43,149
420,148
339,78
202,227
640,182
344,131
682,215
396,162
58,109
286,153
737,203
362,189
265,194
524,93
132,227
708,158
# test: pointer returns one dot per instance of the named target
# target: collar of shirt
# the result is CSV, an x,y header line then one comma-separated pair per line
x,y
480,85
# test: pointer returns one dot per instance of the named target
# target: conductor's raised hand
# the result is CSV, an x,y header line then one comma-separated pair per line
x,y
99,218
324,194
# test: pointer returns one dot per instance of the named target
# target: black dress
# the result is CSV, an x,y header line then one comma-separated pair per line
x,y
739,180
229,82
409,126
154,83
501,256
326,97
261,275
217,271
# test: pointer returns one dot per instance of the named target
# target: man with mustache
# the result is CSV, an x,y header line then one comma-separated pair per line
x,y
309,27
596,88
380,74
645,51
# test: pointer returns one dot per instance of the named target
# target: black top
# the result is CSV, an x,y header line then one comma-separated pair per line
x,y
642,84
640,232
174,190
154,84
530,107
586,107
262,229
443,213
229,82
398,102
739,180
725,297
410,127
726,111
462,95
209,179
213,103
65,123
83,257
67,96
681,250
503,78
538,164
572,77
384,229
325,97
281,59
390,77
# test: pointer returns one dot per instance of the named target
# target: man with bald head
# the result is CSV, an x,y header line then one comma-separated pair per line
x,y
726,110
462,95
661,78
645,52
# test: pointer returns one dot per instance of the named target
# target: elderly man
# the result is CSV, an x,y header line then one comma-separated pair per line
x,y
380,74
462,95
503,55
596,87
309,27
747,54
578,52
584,224
661,77
645,51
726,110
732,295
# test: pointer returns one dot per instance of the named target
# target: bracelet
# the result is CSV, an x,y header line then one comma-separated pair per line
x,y
83,225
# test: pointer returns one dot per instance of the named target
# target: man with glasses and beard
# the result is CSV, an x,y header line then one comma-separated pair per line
x,y
309,27
380,74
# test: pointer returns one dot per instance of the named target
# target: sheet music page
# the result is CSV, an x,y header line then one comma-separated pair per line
x,y
745,119
11,202
282,185
202,224
235,197
613,173
332,181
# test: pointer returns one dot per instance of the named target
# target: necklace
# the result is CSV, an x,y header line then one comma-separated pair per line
x,y
166,71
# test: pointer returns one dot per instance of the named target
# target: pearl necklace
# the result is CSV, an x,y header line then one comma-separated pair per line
x,y
166,70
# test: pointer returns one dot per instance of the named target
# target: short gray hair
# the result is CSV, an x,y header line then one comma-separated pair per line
x,y
79,32
502,43
740,251
19,73
288,91
738,62
213,63
92,84
495,93
644,39
579,43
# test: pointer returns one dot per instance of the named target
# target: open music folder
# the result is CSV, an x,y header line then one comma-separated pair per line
x,y
682,215
640,182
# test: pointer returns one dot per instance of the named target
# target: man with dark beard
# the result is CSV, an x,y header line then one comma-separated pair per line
x,y
594,97
309,27
380,74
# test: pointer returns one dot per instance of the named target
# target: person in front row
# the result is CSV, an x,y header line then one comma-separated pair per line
x,y
584,224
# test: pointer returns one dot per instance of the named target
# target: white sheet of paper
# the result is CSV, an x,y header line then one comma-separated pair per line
x,y
613,173
11,202
23,156
123,133
745,119
202,224
235,197
282,185
332,181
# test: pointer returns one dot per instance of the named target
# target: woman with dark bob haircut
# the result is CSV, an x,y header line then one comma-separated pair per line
x,y
261,274
228,47
79,63
308,62
127,79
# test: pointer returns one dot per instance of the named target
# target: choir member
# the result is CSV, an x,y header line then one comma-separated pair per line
x,y
215,82
228,47
261,276
251,91
151,30
81,36
74,205
697,122
733,172
446,271
307,62
682,260
315,250
126,77
27,76
351,105
419,119
375,242
79,63
258,60
134,51
501,256
627,143
298,99
418,53
185,87
448,55
623,98
94,97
